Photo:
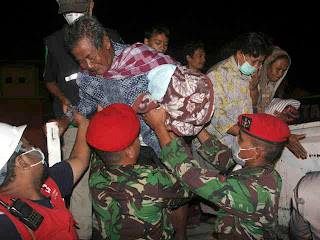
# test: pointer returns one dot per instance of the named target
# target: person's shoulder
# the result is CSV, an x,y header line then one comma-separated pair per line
x,y
270,177
62,174
223,65
221,70
55,36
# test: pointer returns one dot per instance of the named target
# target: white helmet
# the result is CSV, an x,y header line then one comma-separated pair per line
x,y
9,139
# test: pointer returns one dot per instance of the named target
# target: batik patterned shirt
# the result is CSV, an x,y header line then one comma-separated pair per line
x,y
135,201
248,198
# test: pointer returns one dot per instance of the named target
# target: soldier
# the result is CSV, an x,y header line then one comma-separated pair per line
x,y
247,189
131,201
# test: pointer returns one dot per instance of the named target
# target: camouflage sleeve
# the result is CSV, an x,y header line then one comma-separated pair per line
x,y
216,153
228,192
171,189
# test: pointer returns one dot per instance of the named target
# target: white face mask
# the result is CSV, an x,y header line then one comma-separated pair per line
x,y
38,153
71,17
235,153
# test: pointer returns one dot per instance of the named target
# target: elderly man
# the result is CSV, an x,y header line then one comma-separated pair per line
x,y
117,73
25,179
131,201
60,78
247,193
111,72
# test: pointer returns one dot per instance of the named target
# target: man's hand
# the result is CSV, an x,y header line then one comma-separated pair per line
x,y
66,104
253,83
155,119
63,124
253,86
79,119
288,115
295,146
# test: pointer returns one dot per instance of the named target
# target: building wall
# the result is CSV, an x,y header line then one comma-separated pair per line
x,y
20,102
19,80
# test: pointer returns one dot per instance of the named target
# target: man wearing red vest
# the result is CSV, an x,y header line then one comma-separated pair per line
x,y
26,180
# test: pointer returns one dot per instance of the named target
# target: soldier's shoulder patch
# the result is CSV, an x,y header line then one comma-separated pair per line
x,y
246,123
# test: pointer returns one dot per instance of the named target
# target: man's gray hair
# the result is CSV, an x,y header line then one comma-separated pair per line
x,y
85,26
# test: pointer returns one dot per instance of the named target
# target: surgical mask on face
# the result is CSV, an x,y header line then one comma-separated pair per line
x,y
235,153
71,17
246,68
37,153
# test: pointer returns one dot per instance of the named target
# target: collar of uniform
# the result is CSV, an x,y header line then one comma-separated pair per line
x,y
251,169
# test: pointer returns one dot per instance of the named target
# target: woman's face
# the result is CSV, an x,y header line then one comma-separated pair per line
x,y
277,69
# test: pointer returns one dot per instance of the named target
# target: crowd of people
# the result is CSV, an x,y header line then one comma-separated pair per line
x,y
126,114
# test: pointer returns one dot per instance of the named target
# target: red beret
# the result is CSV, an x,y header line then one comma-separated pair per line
x,y
114,128
264,127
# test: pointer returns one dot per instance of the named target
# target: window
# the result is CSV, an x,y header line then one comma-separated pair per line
x,y
8,80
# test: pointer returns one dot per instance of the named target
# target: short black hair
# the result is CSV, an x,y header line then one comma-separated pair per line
x,y
109,158
155,29
254,44
272,150
190,48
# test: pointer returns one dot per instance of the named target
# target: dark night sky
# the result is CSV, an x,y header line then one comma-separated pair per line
x,y
26,23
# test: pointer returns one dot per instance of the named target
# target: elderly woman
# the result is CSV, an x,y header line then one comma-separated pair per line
x,y
274,70
273,73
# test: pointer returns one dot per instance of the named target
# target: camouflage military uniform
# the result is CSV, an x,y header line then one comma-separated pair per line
x,y
248,198
133,201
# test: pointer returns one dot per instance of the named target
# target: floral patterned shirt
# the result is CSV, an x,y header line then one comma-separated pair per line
x,y
231,98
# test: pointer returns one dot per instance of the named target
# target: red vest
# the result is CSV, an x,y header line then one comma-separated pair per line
x,y
58,222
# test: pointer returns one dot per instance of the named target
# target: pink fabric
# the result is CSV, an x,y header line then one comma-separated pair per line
x,y
188,101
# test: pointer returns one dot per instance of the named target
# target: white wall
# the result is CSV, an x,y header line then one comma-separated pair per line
x,y
292,169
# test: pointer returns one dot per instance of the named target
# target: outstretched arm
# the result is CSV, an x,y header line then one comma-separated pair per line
x,y
55,90
80,155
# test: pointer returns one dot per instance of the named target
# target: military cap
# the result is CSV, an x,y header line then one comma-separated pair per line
x,y
114,128
264,127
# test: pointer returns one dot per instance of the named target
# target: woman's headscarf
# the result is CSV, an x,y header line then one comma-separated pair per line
x,y
265,99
